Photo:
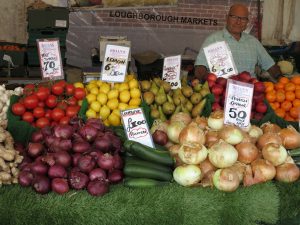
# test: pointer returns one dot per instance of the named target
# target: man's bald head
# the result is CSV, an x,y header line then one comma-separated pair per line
x,y
240,9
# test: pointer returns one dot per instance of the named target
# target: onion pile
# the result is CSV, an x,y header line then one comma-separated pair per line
x,y
74,156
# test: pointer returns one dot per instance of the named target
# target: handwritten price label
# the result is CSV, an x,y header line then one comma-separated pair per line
x,y
115,63
136,126
171,71
50,59
238,103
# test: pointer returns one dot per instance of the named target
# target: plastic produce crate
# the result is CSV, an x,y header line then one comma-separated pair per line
x,y
17,55
47,33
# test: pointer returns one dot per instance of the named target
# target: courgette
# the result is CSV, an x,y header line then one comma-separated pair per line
x,y
121,134
149,154
294,152
140,171
136,161
143,182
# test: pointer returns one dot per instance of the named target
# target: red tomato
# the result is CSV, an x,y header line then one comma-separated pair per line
x,y
28,89
31,101
72,101
79,93
18,109
70,89
62,105
51,101
65,120
72,111
42,122
43,93
57,89
39,112
57,114
48,114
61,83
41,104
28,117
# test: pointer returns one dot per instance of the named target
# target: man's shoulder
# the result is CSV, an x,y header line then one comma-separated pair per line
x,y
213,37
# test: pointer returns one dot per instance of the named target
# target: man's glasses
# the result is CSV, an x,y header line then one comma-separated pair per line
x,y
236,18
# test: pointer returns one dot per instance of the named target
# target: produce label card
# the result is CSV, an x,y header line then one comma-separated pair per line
x,y
50,59
238,102
136,126
171,71
220,60
115,63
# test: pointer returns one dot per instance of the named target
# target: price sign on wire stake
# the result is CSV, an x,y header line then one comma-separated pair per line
x,y
171,71
50,59
115,63
237,108
220,60
136,126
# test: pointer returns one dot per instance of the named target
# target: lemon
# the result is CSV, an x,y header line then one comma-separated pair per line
x,y
104,112
78,84
102,98
117,112
122,106
133,83
132,106
124,96
90,98
114,119
123,86
90,86
135,102
96,106
116,86
105,87
99,83
135,93
94,90
113,103
93,82
130,77
114,93
91,113
106,123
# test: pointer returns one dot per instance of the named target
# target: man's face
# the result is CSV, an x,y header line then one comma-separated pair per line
x,y
237,20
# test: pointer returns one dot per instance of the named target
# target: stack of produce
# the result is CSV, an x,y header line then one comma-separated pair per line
x,y
49,104
107,99
209,153
77,155
284,97
5,101
164,102
218,88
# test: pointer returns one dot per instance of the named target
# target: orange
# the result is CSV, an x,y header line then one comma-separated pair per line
x,y
270,96
296,79
280,96
280,112
294,112
290,96
269,86
286,105
287,117
289,86
275,105
297,93
297,86
284,80
279,86
296,103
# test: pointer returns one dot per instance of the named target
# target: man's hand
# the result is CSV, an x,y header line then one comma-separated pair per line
x,y
275,72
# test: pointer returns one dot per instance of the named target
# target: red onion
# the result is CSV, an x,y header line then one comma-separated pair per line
x,y
57,171
106,161
97,174
39,168
96,154
86,163
46,131
37,136
26,161
97,188
102,144
49,140
96,123
55,145
75,158
77,138
160,137
35,149
81,146
115,176
41,184
49,159
63,158
63,131
65,145
19,147
59,185
78,180
118,162
88,132
25,178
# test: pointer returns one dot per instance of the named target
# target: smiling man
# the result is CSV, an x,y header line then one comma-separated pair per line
x,y
246,50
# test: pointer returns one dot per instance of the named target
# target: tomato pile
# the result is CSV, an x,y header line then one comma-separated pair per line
x,y
217,86
45,105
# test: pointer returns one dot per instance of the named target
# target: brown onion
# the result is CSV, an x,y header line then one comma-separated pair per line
x,y
270,128
206,166
211,137
249,180
274,153
201,121
226,180
268,138
255,132
263,170
239,168
247,152
287,172
290,137
247,138
182,117
192,153
192,133
207,180
231,134
174,149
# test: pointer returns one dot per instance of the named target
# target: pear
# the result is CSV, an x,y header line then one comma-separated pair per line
x,y
145,85
178,109
154,113
157,81
162,116
189,106
195,98
177,91
197,110
184,81
160,97
168,108
170,99
176,99
154,89
184,109
197,87
182,99
187,91
166,85
148,97
204,92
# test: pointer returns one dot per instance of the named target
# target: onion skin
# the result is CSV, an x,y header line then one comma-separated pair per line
x,y
206,166
187,175
231,134
216,120
174,129
239,168
192,133
255,132
274,153
270,128
226,180
268,138
211,137
290,137
247,152
174,150
192,153
201,121
182,117
263,170
287,173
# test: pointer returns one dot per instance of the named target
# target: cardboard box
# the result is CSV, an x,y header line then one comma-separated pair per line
x,y
114,40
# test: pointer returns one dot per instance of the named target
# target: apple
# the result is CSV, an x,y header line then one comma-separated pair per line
x,y
261,107
258,116
217,98
210,83
217,89
216,106
244,76
253,80
259,87
222,81
212,77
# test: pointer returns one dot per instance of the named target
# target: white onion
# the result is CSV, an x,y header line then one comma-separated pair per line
x,y
216,120
192,133
255,132
231,134
263,170
174,130
192,153
201,121
287,173
274,153
181,117
187,175
226,180
211,137
222,154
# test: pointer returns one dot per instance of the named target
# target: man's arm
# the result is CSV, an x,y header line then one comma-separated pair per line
x,y
201,73
275,72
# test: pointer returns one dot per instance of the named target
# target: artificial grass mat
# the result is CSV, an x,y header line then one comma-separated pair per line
x,y
170,204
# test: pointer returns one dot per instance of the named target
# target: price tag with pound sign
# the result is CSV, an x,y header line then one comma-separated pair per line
x,y
171,71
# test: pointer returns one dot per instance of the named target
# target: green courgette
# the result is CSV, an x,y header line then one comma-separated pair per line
x,y
294,152
121,134
149,154
141,171
143,182
136,161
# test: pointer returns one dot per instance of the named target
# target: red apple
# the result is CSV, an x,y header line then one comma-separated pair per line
x,y
245,76
212,77
258,97
217,89
261,107
210,83
216,106
258,116
253,80
222,81
259,87
217,98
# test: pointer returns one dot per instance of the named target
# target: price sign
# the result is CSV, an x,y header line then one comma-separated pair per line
x,y
50,59
238,103
115,63
136,126
219,59
171,71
